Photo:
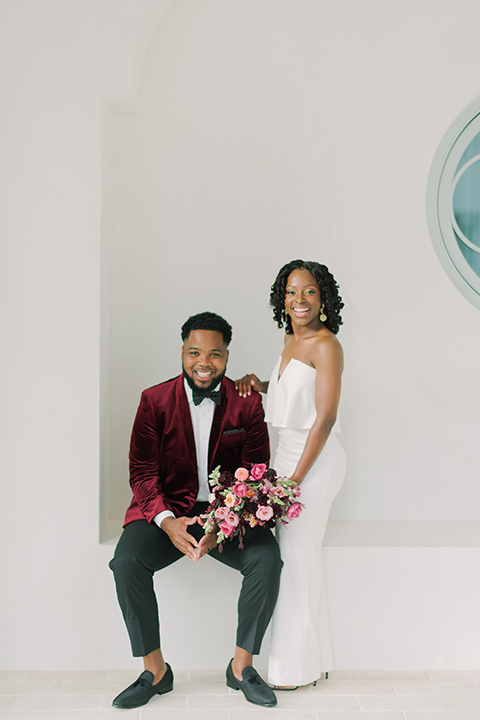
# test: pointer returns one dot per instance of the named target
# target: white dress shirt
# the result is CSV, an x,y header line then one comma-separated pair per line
x,y
202,419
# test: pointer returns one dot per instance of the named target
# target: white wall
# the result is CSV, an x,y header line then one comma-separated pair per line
x,y
263,131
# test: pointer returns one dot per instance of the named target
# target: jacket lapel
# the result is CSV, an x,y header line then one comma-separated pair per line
x,y
185,424
217,426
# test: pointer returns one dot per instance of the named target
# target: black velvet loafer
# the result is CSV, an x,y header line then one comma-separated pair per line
x,y
255,689
140,692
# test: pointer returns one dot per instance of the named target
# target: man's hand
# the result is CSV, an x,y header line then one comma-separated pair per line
x,y
208,542
176,529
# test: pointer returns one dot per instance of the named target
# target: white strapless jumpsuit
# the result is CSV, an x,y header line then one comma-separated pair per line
x,y
301,647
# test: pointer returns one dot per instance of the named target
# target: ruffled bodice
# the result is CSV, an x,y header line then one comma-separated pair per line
x,y
291,398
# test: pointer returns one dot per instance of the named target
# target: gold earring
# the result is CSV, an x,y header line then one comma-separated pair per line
x,y
323,317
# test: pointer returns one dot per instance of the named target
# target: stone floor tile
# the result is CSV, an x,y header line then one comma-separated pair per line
x,y
391,675
67,675
216,702
436,688
108,714
201,687
13,675
403,702
91,687
452,675
58,702
173,714
354,688
203,695
31,715
31,687
462,702
255,713
457,715
204,675
386,715
7,702
311,701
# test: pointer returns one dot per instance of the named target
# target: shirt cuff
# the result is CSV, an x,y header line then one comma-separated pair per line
x,y
158,519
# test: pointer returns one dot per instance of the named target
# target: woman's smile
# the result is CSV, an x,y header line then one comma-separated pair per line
x,y
302,297
301,311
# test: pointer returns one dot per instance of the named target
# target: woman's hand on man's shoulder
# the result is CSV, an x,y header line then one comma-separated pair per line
x,y
249,382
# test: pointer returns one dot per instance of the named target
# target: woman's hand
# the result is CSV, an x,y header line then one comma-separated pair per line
x,y
250,382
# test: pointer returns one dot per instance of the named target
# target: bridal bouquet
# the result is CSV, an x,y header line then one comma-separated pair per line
x,y
248,498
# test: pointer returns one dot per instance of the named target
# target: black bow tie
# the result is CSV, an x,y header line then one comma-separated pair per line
x,y
199,395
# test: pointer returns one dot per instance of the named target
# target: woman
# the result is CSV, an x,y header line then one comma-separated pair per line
x,y
302,401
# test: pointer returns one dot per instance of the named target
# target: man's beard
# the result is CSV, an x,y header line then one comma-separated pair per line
x,y
204,390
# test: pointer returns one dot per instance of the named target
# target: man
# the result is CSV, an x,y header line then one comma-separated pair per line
x,y
184,428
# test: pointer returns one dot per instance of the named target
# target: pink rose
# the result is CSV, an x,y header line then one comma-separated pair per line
x,y
232,519
221,513
279,491
226,529
241,474
258,471
240,489
264,512
294,511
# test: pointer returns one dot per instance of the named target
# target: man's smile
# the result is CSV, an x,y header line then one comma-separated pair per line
x,y
204,374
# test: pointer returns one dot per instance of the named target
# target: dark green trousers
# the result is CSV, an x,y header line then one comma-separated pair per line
x,y
144,548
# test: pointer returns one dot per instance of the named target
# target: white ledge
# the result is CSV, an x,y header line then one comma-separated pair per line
x,y
402,533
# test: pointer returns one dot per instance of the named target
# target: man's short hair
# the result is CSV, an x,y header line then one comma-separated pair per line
x,y
207,321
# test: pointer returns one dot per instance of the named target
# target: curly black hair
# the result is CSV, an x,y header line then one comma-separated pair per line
x,y
328,292
207,321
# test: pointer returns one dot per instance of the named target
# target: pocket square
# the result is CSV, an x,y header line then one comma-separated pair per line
x,y
233,431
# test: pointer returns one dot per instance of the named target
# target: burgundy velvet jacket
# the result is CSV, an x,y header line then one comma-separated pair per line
x,y
163,464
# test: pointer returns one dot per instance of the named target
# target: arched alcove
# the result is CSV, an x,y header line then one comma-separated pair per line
x,y
207,183
246,149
